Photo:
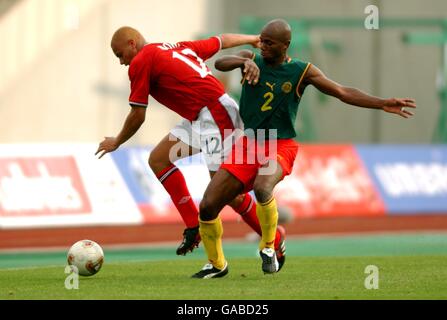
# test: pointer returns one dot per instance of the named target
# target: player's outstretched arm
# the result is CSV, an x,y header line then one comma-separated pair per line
x,y
230,40
133,122
244,61
355,97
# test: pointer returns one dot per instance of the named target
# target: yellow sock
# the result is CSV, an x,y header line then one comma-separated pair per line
x,y
268,219
211,233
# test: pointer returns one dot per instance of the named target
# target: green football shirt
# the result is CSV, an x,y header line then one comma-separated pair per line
x,y
273,102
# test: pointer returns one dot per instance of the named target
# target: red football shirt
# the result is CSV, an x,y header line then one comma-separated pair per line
x,y
176,76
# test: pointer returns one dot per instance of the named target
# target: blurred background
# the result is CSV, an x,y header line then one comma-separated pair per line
x,y
58,70
62,90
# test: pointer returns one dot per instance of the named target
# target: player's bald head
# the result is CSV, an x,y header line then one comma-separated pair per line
x,y
124,34
126,43
278,29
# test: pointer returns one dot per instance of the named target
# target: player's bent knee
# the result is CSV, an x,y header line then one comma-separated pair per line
x,y
263,192
157,163
208,210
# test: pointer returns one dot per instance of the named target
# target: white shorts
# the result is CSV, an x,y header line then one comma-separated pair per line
x,y
205,133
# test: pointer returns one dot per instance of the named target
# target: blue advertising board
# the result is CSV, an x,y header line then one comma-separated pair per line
x,y
411,179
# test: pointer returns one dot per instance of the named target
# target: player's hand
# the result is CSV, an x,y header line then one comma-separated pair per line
x,y
250,72
400,106
109,144
257,43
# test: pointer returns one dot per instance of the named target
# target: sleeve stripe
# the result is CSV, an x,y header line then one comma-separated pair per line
x,y
220,42
137,104
301,79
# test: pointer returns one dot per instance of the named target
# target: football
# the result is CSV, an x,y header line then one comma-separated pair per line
x,y
87,256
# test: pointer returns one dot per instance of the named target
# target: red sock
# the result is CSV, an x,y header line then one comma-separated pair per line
x,y
247,210
173,181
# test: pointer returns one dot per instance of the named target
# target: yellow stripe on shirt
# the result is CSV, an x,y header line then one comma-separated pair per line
x,y
301,79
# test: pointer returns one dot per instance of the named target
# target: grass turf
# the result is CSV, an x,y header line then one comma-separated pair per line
x,y
400,277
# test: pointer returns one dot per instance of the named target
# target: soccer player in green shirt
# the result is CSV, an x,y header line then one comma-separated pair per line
x,y
273,84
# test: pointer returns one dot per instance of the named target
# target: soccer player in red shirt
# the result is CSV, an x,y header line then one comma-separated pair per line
x,y
176,76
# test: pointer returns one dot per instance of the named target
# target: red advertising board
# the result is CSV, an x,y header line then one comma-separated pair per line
x,y
41,186
327,181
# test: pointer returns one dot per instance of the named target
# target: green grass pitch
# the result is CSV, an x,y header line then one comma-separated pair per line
x,y
411,275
